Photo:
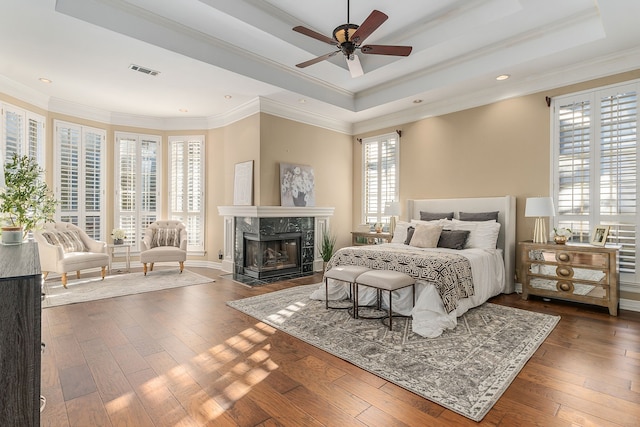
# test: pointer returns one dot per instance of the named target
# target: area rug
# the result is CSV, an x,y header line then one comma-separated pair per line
x,y
465,370
93,288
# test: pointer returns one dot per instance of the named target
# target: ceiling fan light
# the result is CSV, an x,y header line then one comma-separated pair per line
x,y
343,33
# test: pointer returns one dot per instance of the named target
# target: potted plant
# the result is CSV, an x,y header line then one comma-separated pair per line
x,y
327,247
26,200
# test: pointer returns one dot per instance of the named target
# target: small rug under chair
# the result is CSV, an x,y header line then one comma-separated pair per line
x,y
466,369
116,285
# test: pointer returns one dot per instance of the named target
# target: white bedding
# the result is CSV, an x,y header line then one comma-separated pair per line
x,y
429,316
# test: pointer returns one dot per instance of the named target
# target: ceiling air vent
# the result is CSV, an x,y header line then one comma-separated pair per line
x,y
143,70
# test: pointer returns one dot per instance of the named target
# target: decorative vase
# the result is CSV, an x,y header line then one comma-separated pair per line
x,y
12,235
118,241
299,199
560,240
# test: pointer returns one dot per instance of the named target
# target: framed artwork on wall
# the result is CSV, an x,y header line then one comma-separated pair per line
x,y
599,235
243,184
297,185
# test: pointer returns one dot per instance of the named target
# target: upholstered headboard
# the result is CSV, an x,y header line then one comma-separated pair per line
x,y
506,207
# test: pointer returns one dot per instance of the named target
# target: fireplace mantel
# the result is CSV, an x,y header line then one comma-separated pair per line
x,y
274,211
321,216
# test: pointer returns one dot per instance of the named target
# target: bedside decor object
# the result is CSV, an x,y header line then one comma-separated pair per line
x,y
539,207
26,201
243,184
561,235
378,227
296,185
599,235
327,246
392,209
118,235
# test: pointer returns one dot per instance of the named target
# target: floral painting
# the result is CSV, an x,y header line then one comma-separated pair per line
x,y
296,185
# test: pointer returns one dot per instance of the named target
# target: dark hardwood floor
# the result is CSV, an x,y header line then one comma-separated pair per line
x,y
181,357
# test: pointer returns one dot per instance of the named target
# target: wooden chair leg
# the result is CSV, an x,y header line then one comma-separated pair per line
x,y
144,268
104,272
64,279
181,266
151,266
78,274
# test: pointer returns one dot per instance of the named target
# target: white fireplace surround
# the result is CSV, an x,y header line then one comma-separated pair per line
x,y
321,215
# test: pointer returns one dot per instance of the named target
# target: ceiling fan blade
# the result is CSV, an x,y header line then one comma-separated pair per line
x,y
373,21
379,49
316,60
355,68
310,33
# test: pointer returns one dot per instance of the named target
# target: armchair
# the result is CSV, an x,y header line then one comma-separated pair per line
x,y
64,247
164,241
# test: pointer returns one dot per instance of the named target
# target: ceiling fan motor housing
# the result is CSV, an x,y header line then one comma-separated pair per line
x,y
342,34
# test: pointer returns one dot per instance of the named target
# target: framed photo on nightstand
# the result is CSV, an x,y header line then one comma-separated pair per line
x,y
599,235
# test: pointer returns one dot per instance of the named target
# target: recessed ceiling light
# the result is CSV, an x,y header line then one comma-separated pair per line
x,y
503,77
417,101
183,110
228,97
44,80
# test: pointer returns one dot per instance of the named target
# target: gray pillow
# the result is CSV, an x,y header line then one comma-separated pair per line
x,y
432,216
410,231
479,216
453,239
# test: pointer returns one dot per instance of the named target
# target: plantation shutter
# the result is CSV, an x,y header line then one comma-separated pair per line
x,y
380,180
595,173
79,170
22,134
186,191
137,184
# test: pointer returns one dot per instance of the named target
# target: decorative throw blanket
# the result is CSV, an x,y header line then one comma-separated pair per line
x,y
449,273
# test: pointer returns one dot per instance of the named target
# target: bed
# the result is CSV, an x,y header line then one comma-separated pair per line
x,y
480,271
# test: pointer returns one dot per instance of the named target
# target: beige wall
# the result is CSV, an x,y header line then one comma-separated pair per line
x,y
329,153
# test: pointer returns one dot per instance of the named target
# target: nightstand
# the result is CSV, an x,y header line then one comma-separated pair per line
x,y
359,238
574,272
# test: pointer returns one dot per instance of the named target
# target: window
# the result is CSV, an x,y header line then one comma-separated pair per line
x,y
380,156
79,175
186,182
137,183
22,133
595,167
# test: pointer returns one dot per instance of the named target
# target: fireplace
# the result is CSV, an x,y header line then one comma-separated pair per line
x,y
273,255
259,241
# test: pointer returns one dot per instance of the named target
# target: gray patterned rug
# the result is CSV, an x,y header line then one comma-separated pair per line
x,y
116,285
466,369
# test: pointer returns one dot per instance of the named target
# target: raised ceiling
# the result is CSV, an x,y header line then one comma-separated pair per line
x,y
245,50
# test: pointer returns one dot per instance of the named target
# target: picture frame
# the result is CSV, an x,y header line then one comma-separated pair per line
x,y
297,185
243,184
599,235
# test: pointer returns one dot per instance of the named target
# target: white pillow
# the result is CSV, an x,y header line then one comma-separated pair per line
x,y
446,224
400,232
482,234
426,236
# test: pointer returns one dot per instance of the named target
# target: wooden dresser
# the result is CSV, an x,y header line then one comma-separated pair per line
x,y
20,340
582,273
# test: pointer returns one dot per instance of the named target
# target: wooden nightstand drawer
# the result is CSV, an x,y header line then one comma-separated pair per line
x,y
580,273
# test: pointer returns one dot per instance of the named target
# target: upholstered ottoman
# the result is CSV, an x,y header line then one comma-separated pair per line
x,y
342,273
383,280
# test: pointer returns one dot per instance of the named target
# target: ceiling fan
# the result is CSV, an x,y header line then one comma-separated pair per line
x,y
349,37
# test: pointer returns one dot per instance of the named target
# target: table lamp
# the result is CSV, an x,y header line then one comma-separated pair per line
x,y
392,209
539,207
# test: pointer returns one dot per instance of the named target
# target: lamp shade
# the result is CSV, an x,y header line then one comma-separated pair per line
x,y
539,206
392,208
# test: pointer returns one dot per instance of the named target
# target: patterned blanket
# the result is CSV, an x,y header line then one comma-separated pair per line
x,y
449,273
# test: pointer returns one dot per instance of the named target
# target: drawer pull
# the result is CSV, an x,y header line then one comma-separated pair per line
x,y
564,271
563,257
564,287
